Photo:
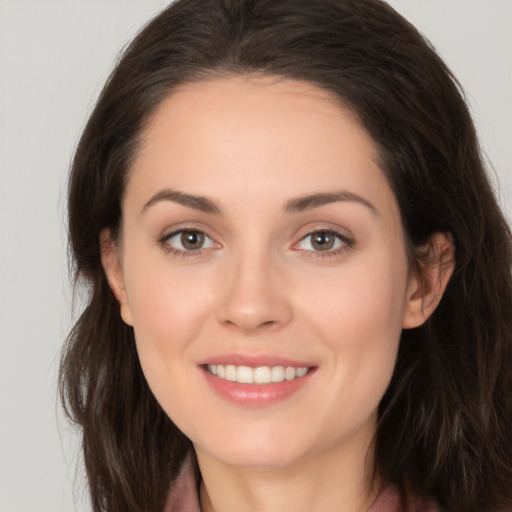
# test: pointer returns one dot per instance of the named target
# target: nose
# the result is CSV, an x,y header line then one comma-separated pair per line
x,y
254,295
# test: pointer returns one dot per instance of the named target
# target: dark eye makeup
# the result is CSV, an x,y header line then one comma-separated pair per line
x,y
318,243
324,243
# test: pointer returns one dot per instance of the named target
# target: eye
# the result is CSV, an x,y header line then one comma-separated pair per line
x,y
324,241
187,240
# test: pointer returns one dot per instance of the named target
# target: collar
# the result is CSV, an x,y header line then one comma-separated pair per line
x,y
183,496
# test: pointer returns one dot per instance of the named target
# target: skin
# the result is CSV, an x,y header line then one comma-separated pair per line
x,y
259,286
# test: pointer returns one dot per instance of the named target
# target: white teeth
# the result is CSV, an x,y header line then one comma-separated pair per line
x,y
277,373
244,374
230,373
290,373
262,375
300,372
259,375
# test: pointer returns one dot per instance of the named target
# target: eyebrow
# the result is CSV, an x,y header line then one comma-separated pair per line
x,y
296,205
196,202
316,200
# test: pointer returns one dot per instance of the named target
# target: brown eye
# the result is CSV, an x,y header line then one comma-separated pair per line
x,y
187,241
323,240
192,240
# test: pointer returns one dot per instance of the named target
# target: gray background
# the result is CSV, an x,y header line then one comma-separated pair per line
x,y
54,57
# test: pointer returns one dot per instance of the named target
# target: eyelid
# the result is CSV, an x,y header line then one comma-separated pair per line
x,y
347,242
168,235
178,227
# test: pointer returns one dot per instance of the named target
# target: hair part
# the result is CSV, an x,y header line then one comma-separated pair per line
x,y
445,423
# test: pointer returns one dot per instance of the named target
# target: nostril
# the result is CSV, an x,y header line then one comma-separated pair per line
x,y
251,326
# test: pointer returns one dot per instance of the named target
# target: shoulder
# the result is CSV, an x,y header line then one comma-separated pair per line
x,y
183,494
389,500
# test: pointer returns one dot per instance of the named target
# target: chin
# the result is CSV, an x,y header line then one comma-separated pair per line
x,y
269,447
270,457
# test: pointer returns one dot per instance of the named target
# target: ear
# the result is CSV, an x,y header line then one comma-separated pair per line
x,y
114,271
428,283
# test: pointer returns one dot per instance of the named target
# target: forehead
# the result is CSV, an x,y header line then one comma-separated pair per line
x,y
251,105
254,119
248,137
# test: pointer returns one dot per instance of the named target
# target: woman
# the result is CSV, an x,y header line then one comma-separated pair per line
x,y
300,279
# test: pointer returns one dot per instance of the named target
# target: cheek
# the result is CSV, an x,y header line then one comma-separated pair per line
x,y
167,315
168,310
366,300
163,298
359,315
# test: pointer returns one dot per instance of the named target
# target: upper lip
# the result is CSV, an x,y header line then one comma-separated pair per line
x,y
254,360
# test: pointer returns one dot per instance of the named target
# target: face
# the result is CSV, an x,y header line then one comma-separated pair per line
x,y
263,267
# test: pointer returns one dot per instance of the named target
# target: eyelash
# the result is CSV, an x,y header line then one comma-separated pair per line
x,y
164,241
347,243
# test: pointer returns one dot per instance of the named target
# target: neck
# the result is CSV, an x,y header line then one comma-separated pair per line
x,y
333,481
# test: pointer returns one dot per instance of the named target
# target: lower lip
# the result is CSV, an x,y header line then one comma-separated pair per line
x,y
255,395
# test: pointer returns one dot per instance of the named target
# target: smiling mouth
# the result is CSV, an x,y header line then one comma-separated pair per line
x,y
258,375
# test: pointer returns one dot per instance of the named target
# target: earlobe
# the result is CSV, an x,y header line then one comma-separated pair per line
x,y
114,272
427,285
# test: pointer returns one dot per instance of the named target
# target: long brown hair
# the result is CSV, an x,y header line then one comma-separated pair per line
x,y
445,423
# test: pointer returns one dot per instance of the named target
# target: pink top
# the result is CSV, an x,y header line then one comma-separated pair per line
x,y
183,497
